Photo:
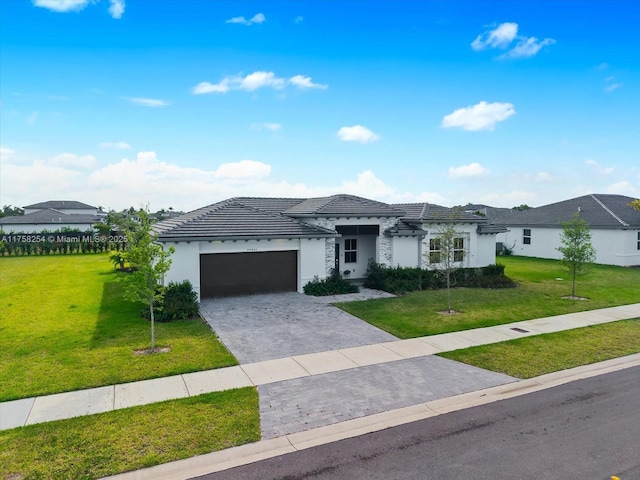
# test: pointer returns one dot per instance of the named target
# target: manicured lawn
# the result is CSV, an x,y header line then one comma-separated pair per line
x,y
123,440
533,356
539,294
64,326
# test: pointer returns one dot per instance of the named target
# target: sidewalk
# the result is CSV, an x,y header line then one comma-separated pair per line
x,y
34,410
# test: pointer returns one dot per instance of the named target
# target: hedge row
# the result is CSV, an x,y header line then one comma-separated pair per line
x,y
401,280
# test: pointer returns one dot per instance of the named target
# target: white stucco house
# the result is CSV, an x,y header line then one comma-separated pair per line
x,y
255,245
52,216
613,223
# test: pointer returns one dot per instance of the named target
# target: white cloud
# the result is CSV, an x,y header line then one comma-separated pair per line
x,y
116,9
503,37
527,47
357,133
149,102
257,19
623,187
467,171
499,37
273,127
613,86
299,19
367,185
481,116
599,170
255,81
243,169
62,5
115,145
73,160
507,199
5,153
33,118
301,81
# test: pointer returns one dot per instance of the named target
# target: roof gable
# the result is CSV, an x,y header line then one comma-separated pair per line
x,y
233,219
598,210
61,205
429,212
343,206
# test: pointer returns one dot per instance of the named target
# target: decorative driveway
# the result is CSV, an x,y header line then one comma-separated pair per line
x,y
266,327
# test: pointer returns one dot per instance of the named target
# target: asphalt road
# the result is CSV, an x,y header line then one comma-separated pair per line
x,y
588,429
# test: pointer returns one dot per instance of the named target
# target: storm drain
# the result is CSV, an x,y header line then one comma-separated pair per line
x,y
519,330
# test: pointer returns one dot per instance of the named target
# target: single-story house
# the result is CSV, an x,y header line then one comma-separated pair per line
x,y
52,216
253,245
614,227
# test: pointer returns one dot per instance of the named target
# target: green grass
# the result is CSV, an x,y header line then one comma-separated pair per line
x,y
123,440
538,294
533,356
65,326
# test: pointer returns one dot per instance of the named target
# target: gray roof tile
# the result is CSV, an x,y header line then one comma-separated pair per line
x,y
61,205
342,206
49,216
234,219
598,210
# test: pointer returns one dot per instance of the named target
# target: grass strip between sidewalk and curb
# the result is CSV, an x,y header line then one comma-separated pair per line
x,y
108,443
537,355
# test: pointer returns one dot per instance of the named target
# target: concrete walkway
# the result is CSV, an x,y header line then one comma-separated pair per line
x,y
30,411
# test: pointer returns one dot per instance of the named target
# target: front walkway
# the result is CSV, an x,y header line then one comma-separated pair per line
x,y
33,410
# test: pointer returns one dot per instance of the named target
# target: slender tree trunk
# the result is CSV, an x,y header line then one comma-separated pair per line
x,y
573,285
449,291
153,330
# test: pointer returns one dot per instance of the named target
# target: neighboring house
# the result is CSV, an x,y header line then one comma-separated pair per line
x,y
614,226
52,216
251,245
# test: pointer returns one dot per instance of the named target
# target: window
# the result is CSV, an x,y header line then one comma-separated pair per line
x,y
526,236
638,240
458,249
434,250
350,250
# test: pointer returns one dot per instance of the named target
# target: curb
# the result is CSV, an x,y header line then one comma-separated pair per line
x,y
264,449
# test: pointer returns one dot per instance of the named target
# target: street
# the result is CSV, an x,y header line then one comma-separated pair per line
x,y
588,429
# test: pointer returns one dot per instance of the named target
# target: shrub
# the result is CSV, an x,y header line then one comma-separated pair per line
x,y
334,284
401,280
179,302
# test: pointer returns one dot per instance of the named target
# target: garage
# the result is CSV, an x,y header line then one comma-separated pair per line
x,y
227,274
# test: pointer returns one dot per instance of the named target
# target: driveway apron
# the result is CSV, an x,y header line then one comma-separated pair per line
x,y
266,327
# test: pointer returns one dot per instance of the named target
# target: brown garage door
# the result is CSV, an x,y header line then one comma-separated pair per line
x,y
226,274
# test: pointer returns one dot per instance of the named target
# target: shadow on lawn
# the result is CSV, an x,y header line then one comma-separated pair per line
x,y
118,319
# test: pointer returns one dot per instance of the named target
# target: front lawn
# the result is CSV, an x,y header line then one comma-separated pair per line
x,y
542,284
64,326
129,439
533,356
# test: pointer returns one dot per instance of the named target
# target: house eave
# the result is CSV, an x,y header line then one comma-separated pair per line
x,y
239,238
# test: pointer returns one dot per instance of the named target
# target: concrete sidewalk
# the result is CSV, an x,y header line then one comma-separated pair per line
x,y
34,410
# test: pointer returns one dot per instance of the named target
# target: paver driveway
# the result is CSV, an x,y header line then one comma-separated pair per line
x,y
265,327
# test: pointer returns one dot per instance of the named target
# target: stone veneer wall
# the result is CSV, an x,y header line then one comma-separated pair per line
x,y
385,244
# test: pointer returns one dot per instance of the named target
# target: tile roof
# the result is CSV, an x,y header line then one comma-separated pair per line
x,y
598,210
342,205
236,219
61,205
429,212
49,216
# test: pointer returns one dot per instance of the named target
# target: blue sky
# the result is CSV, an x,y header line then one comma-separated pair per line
x,y
184,103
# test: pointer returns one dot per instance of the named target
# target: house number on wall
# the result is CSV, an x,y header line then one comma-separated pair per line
x,y
252,249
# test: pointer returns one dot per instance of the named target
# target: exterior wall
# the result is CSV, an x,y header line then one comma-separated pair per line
x,y
185,262
480,250
381,251
406,252
613,247
41,227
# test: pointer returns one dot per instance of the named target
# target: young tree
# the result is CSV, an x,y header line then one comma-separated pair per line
x,y
447,251
149,262
577,251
